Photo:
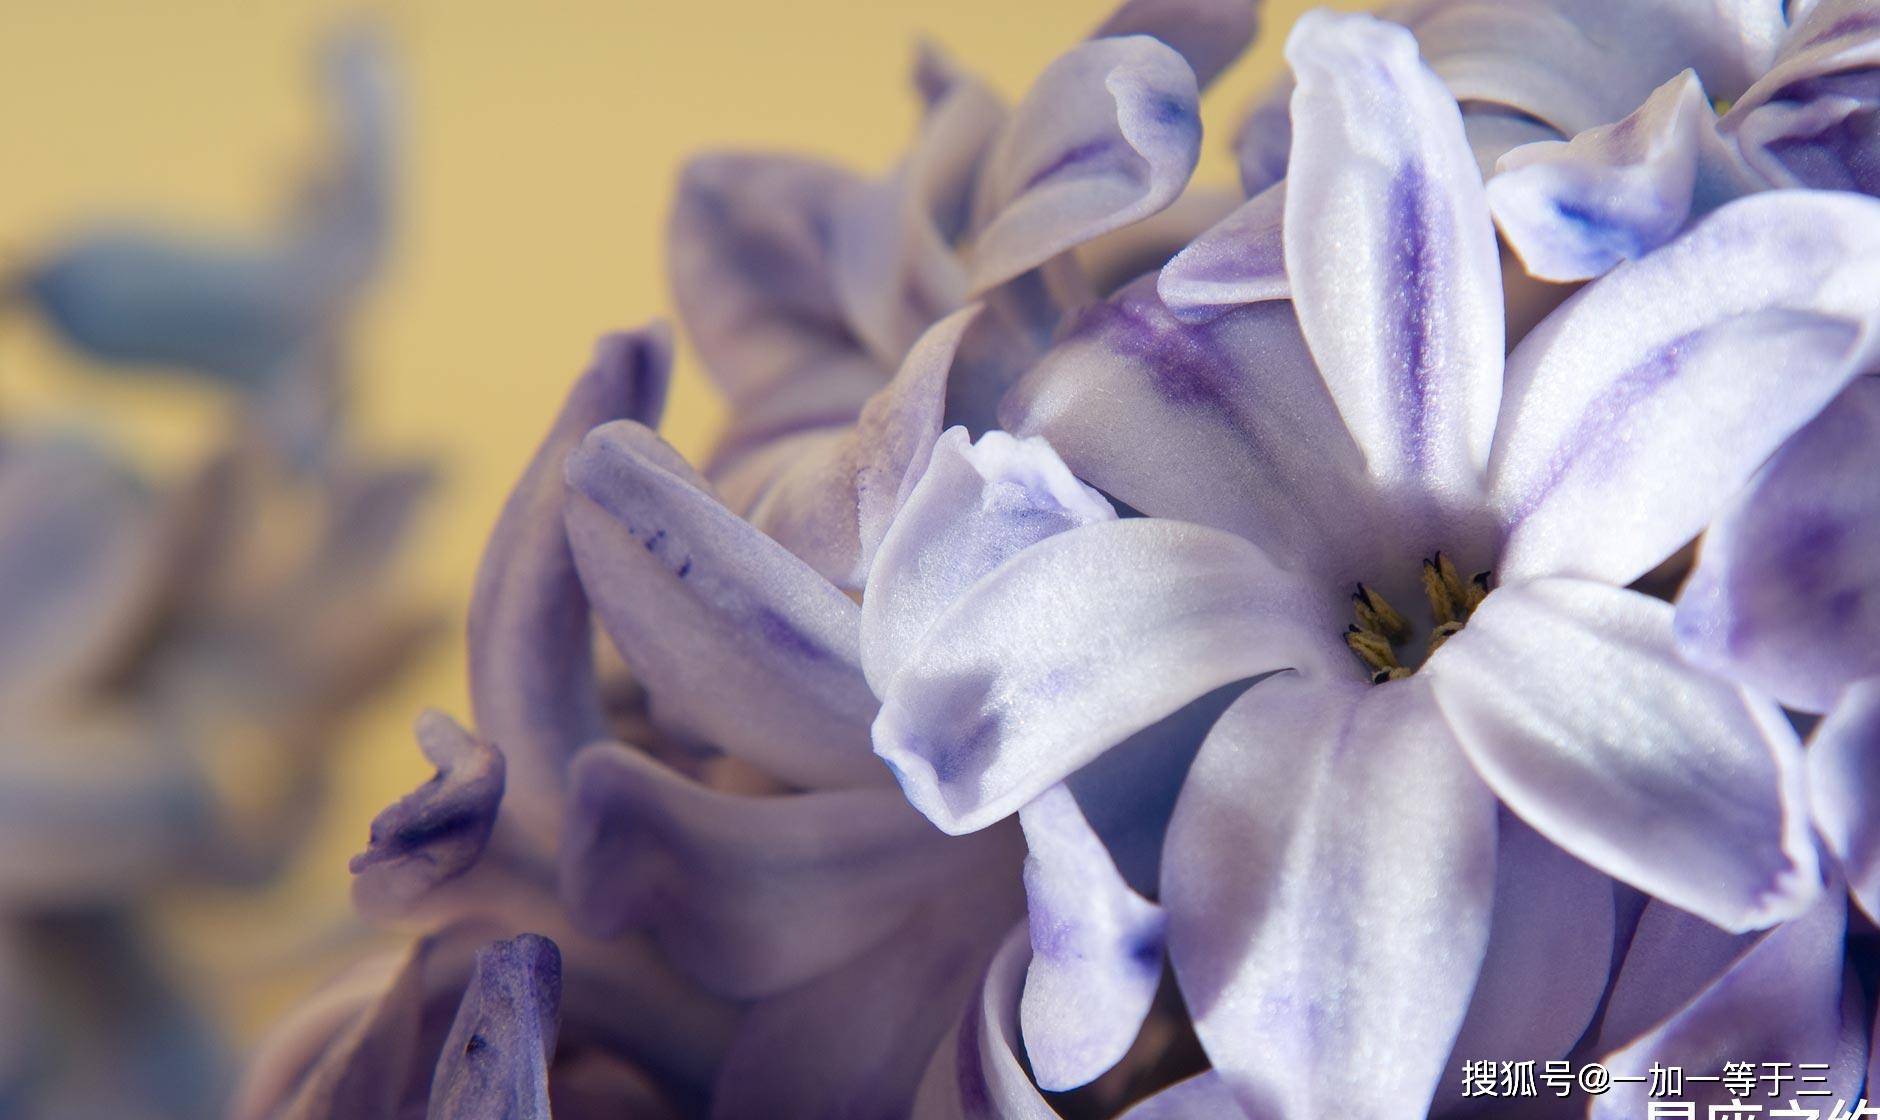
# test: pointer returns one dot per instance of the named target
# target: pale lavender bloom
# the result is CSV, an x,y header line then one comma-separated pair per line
x,y
1332,897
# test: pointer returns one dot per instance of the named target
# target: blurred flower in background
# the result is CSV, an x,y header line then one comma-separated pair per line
x,y
177,654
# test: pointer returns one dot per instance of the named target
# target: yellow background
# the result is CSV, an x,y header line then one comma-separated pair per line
x,y
542,141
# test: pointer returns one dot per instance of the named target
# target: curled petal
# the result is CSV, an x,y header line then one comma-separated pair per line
x,y
1017,685
1096,948
1616,192
438,831
1391,254
1672,379
738,642
532,681
1571,700
1107,136
833,501
1328,879
1209,34
495,1060
975,1070
752,895
1785,596
976,505
1844,784
1241,260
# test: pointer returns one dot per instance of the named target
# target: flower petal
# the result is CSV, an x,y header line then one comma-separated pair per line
x,y
1241,260
1785,596
1672,958
975,1073
832,504
737,642
1549,958
1391,254
1790,1000
1019,684
976,505
532,683
436,832
1141,405
1616,192
1741,329
1107,136
1204,1096
1844,784
752,895
1328,879
850,1044
749,262
1209,34
1096,948
1571,700
496,1057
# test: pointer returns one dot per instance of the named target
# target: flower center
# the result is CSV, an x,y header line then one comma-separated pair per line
x,y
1381,629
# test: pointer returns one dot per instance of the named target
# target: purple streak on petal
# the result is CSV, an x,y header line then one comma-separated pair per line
x,y
1785,596
532,684
975,1073
749,650
1096,948
750,894
1209,34
1753,320
438,831
495,1060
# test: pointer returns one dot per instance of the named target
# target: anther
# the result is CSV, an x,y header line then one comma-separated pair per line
x,y
1372,648
1442,606
1475,591
1442,634
1377,615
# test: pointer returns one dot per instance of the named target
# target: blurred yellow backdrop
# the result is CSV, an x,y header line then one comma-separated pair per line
x,y
542,144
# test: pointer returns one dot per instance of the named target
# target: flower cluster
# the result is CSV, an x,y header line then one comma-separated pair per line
x,y
1129,656
177,655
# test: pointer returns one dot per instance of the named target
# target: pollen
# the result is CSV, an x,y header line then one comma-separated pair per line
x,y
1381,629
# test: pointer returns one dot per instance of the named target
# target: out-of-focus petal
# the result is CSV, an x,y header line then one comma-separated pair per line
x,y
1616,192
1844,784
1107,136
834,500
1549,958
749,260
1571,700
1241,260
1673,956
1204,1096
1786,593
750,894
495,1060
1263,142
1019,684
436,832
976,505
1391,254
1328,880
1790,999
1209,34
1674,377
1096,948
1142,405
737,642
857,1041
532,682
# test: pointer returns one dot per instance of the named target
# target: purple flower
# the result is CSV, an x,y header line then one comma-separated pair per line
x,y
1310,471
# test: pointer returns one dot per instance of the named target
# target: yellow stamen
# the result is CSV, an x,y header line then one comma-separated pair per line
x,y
1442,634
1377,615
1372,649
1442,607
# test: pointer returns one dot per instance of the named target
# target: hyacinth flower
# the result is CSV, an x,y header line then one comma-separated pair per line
x,y
1383,454
177,655
803,286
